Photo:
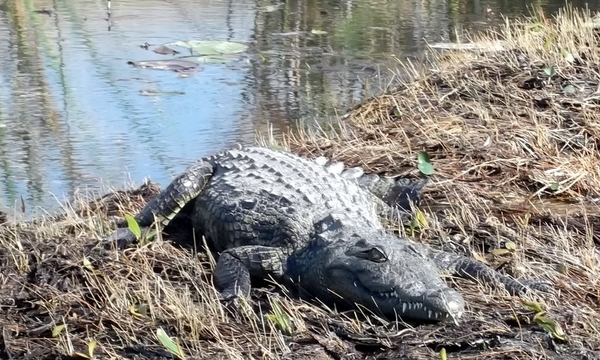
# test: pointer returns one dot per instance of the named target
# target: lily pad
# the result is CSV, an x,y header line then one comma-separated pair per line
x,y
211,59
172,65
211,47
165,50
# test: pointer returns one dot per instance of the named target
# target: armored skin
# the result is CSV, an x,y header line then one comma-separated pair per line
x,y
269,213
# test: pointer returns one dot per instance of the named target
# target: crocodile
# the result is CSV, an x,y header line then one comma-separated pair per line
x,y
268,213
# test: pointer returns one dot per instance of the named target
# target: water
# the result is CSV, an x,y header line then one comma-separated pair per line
x,y
75,116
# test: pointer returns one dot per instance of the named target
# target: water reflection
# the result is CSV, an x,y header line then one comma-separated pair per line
x,y
75,115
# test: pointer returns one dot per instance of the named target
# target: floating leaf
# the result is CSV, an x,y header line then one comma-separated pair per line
x,y
318,32
165,50
554,186
510,245
176,65
58,329
211,47
169,344
424,163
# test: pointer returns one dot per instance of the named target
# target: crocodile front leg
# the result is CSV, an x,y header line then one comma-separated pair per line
x,y
236,266
473,269
166,205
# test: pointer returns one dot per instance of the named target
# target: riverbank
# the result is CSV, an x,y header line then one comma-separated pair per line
x,y
513,138
513,133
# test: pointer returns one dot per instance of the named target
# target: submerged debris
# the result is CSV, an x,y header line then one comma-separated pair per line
x,y
176,65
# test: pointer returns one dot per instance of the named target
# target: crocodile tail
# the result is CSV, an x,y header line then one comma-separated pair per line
x,y
183,189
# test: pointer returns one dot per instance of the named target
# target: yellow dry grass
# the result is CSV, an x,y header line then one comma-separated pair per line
x,y
515,151
513,165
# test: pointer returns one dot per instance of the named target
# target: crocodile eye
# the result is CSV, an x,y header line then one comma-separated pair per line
x,y
375,255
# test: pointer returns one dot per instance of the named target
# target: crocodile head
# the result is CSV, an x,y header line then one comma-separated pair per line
x,y
386,274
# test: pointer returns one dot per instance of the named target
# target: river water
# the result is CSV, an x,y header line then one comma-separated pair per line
x,y
76,117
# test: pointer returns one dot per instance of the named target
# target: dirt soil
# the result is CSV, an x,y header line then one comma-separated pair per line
x,y
61,290
516,185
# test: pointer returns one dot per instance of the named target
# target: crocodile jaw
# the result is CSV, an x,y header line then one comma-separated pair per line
x,y
440,304
436,303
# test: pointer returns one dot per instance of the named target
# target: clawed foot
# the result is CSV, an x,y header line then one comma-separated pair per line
x,y
235,305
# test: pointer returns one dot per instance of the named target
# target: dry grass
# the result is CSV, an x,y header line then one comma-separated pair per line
x,y
54,274
497,147
516,156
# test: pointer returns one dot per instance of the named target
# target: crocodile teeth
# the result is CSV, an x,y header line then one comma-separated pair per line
x,y
388,295
404,307
429,313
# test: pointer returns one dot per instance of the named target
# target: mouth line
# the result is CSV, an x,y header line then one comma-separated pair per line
x,y
413,308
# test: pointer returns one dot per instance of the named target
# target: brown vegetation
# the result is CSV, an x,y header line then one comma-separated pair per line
x,y
516,159
514,136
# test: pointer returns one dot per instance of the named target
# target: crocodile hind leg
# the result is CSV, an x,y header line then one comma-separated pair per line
x,y
400,194
166,205
236,266
394,198
469,268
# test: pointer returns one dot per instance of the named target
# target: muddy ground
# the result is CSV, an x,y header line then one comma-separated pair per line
x,y
119,299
